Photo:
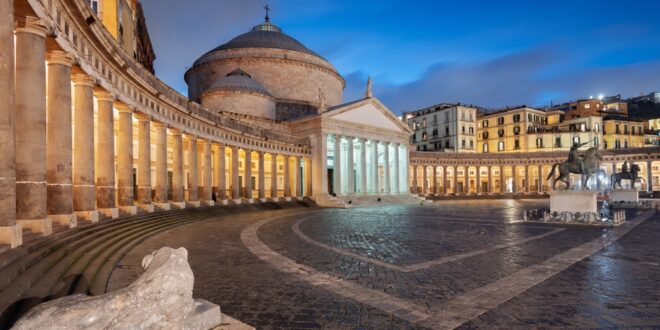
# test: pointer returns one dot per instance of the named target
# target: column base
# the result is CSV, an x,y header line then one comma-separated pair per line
x,y
249,200
164,206
149,208
222,202
288,199
193,203
130,210
237,201
112,213
92,216
274,199
12,235
208,203
178,205
263,200
39,226
69,220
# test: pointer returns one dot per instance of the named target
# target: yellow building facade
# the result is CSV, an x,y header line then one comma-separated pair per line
x,y
623,134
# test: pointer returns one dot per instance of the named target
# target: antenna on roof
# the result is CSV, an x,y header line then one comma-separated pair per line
x,y
267,8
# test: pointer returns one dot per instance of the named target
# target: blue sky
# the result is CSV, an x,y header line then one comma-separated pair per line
x,y
489,53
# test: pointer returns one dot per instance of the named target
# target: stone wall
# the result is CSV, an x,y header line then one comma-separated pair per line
x,y
239,102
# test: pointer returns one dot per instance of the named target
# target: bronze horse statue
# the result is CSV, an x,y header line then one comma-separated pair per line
x,y
587,165
632,175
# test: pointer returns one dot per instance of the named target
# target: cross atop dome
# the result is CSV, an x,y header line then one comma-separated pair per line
x,y
267,8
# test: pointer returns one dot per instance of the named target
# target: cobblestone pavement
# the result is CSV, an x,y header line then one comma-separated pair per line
x,y
455,263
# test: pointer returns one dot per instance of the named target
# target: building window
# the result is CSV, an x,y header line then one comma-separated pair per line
x,y
539,142
446,144
500,120
516,130
463,143
516,144
447,117
435,133
500,146
471,130
576,140
529,117
617,130
425,136
424,123
500,132
471,145
557,142
516,118
625,129
484,135
596,127
632,130
484,123
485,147
596,142
625,144
604,144
447,131
463,129
617,144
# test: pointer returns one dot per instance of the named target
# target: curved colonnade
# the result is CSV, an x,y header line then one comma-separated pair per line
x,y
444,174
97,135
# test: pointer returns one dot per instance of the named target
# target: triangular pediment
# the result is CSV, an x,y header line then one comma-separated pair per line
x,y
368,112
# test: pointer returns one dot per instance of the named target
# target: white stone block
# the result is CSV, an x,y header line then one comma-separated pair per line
x,y
573,201
624,195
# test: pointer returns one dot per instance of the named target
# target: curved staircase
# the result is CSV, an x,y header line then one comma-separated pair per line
x,y
80,260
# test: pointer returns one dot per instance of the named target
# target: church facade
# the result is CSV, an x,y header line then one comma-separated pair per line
x,y
87,132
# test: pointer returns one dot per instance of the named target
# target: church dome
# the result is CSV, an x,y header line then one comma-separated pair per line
x,y
266,35
238,80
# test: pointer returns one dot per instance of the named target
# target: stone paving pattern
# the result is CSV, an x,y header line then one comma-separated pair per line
x,y
615,287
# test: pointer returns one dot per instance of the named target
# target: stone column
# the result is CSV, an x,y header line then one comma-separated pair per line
x,y
125,184
363,166
527,185
84,181
386,168
337,165
30,97
59,164
160,196
207,175
193,178
649,176
298,177
273,176
490,179
319,165
248,175
105,155
219,169
10,233
351,166
502,183
308,177
144,163
261,192
414,181
375,166
477,189
235,186
287,178
177,169
444,180
540,179
425,180
514,175
397,181
455,179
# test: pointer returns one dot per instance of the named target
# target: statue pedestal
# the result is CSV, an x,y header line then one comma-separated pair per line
x,y
574,201
624,195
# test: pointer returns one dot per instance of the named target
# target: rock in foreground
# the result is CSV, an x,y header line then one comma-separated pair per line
x,y
160,299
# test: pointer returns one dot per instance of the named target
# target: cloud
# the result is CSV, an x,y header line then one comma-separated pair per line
x,y
515,79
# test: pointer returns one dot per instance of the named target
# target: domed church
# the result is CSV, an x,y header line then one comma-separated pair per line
x,y
267,78
266,68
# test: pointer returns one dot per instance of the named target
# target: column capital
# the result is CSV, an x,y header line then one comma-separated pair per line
x,y
174,131
158,124
33,25
142,116
191,137
103,95
123,107
81,79
59,57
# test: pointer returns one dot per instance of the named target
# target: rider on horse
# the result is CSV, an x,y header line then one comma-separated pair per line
x,y
574,156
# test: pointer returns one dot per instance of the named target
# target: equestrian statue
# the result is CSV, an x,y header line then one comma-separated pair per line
x,y
587,165
632,175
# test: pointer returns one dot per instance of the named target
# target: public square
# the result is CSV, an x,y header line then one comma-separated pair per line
x,y
452,264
